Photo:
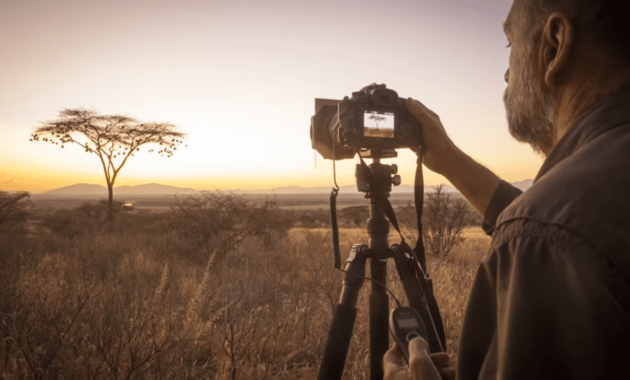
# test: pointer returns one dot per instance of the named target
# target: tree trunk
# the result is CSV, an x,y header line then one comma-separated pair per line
x,y
110,204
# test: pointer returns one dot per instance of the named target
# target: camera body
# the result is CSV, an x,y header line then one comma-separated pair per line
x,y
373,119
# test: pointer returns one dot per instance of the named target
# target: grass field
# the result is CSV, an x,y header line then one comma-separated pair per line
x,y
144,301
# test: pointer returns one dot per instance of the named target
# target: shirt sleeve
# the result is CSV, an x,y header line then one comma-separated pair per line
x,y
544,306
502,197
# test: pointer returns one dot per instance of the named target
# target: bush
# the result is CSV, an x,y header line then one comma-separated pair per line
x,y
13,207
444,217
131,304
220,221
98,211
72,223
354,215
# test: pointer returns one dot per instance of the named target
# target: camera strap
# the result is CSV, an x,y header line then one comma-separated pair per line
x,y
418,198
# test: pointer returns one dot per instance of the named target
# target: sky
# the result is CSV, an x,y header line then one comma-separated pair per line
x,y
240,78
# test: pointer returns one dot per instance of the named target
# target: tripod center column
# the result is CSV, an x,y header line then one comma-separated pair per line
x,y
378,231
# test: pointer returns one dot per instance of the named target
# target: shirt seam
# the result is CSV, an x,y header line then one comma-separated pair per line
x,y
498,239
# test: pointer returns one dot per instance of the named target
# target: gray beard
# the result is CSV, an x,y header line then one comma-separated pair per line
x,y
530,110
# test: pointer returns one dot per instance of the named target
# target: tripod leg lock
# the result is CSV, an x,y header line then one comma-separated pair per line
x,y
355,275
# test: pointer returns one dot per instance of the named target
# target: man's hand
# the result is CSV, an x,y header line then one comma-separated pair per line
x,y
473,180
440,149
422,366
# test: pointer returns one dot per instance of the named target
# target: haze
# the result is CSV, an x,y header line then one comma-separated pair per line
x,y
240,77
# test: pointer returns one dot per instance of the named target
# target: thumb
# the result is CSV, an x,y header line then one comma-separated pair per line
x,y
420,362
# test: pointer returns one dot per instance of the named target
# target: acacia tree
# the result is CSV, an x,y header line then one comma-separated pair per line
x,y
113,138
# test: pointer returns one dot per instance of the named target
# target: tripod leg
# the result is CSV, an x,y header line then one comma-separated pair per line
x,y
344,316
379,318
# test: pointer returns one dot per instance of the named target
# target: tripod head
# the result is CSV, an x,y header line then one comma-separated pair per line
x,y
384,176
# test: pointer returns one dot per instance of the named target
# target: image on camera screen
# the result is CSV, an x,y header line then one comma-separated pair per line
x,y
378,124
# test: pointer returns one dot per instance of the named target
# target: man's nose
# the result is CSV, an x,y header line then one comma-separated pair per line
x,y
507,75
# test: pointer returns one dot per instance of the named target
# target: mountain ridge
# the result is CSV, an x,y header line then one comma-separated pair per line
x,y
145,189
158,189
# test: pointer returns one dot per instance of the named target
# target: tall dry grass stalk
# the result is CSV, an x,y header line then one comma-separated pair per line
x,y
137,304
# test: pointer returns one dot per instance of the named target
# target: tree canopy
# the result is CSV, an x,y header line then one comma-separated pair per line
x,y
113,138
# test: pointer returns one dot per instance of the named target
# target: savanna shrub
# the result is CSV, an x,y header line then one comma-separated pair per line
x,y
444,217
13,208
220,221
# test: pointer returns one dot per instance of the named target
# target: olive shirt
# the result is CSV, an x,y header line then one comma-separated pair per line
x,y
551,300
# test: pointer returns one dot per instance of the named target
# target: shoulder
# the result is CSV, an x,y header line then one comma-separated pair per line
x,y
532,252
587,193
585,196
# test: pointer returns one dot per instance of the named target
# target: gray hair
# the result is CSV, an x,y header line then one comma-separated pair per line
x,y
605,22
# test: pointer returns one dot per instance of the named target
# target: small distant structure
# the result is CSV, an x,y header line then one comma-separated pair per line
x,y
127,207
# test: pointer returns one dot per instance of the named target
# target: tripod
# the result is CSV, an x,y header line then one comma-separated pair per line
x,y
376,182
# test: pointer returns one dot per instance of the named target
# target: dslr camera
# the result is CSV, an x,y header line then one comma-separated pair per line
x,y
374,121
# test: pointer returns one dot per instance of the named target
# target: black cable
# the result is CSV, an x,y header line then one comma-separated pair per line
x,y
376,282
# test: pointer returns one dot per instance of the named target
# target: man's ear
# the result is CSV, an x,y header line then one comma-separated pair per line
x,y
556,47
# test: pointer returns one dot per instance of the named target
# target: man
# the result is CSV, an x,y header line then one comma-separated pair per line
x,y
552,298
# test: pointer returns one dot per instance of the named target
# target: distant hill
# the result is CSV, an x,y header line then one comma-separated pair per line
x,y
157,189
78,189
524,184
153,188
99,190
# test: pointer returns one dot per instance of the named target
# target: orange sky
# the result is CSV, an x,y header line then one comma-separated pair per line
x,y
240,77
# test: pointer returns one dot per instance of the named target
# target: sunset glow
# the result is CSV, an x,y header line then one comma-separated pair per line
x,y
240,78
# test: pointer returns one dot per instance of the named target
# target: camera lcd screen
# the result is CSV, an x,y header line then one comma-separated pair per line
x,y
378,124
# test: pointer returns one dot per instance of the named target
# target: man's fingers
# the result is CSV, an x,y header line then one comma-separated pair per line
x,y
419,111
393,357
427,109
419,353
440,359
422,112
420,362
393,364
447,373
418,346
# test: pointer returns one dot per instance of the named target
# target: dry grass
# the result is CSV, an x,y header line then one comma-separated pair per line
x,y
145,303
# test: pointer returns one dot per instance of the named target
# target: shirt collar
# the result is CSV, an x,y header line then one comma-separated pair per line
x,y
610,112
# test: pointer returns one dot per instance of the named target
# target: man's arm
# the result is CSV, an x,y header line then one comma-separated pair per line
x,y
473,180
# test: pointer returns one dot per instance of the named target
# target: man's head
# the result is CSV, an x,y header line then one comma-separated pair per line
x,y
566,55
